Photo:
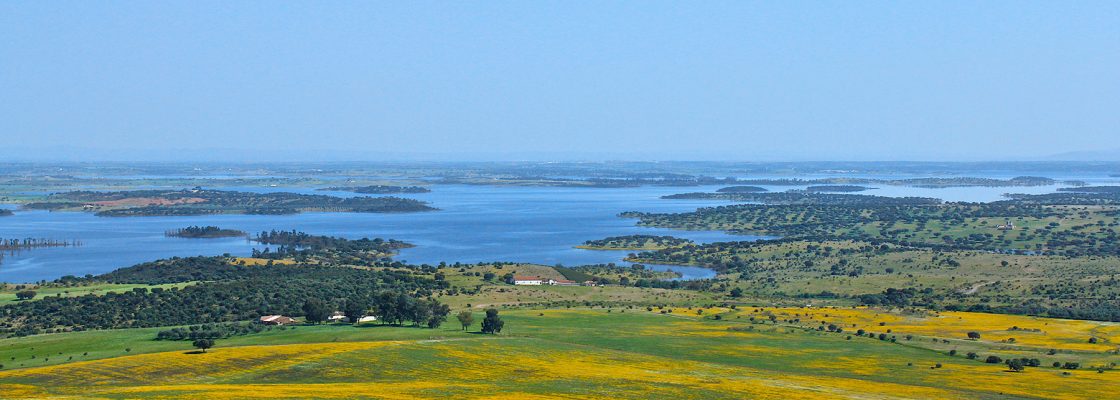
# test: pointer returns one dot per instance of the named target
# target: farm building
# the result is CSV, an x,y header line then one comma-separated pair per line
x,y
276,320
562,282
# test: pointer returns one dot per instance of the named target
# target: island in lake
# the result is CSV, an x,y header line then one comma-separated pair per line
x,y
204,232
634,242
836,188
199,201
378,189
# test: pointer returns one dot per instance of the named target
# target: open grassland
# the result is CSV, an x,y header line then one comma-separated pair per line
x,y
550,353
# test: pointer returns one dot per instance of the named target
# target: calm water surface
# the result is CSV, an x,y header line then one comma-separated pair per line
x,y
474,224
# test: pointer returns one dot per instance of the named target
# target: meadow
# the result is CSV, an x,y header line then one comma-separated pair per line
x,y
619,352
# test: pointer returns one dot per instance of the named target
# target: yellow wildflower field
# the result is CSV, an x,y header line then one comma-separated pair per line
x,y
585,353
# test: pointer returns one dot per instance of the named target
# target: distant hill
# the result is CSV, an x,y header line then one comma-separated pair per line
x,y
1088,155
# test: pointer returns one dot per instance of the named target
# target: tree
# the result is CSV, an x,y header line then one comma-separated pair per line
x,y
737,292
354,310
203,344
492,323
438,314
1015,365
974,335
315,310
466,319
421,312
25,294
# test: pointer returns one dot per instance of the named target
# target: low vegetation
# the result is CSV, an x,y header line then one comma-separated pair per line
x,y
1027,224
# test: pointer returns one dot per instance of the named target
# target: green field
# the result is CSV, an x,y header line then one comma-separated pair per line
x,y
618,352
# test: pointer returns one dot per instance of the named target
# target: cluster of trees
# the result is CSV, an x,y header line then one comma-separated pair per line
x,y
898,297
1107,309
214,331
394,308
25,294
302,246
32,243
301,240
225,293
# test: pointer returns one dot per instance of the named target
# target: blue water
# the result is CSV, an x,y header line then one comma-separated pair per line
x,y
475,224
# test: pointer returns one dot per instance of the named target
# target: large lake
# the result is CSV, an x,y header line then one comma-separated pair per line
x,y
474,224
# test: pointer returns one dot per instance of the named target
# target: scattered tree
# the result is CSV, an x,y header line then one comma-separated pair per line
x,y
466,319
203,344
25,294
492,323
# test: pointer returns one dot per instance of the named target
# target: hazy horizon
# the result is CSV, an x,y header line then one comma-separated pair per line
x,y
723,81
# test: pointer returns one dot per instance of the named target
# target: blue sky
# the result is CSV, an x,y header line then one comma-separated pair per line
x,y
512,80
